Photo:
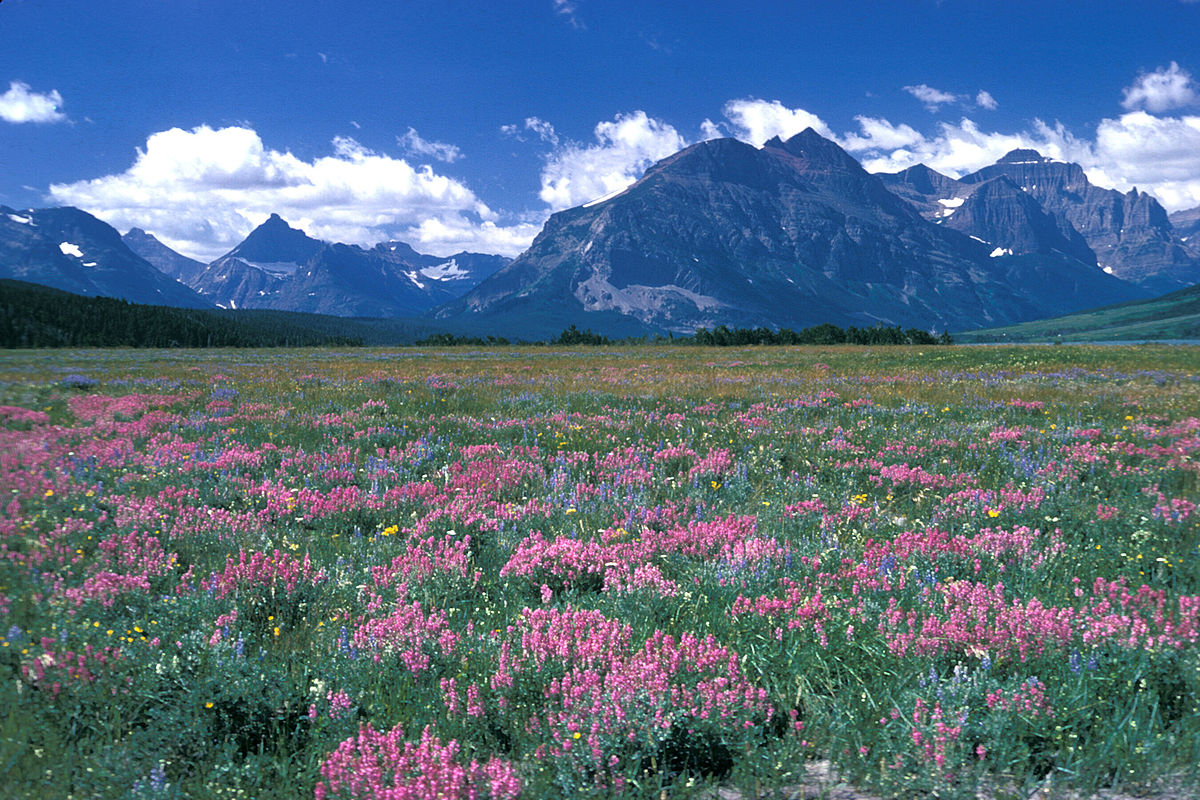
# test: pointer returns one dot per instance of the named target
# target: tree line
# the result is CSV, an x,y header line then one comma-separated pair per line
x,y
722,336
37,316
826,333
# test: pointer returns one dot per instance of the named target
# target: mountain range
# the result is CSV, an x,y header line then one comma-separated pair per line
x,y
791,234
796,233
281,268
276,267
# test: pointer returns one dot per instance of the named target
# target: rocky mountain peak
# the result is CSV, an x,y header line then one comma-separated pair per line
x,y
163,258
276,241
815,150
924,187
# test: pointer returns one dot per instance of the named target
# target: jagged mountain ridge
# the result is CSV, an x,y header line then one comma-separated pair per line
x,y
1130,233
281,268
996,212
791,234
70,249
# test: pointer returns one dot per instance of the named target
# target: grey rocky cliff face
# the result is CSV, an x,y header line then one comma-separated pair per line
x,y
996,212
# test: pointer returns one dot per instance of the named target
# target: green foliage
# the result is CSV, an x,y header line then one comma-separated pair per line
x,y
453,340
826,333
574,336
34,316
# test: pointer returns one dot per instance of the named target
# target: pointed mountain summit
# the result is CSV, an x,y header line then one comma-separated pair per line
x,y
70,249
817,154
1130,233
795,233
257,267
163,258
276,242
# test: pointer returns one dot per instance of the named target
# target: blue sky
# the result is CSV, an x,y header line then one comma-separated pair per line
x,y
462,125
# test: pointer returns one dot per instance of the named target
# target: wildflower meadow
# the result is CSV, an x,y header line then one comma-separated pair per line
x,y
634,572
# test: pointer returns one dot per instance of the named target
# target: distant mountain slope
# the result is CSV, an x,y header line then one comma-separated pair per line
x,y
1171,316
1130,233
71,250
161,257
794,234
1187,226
279,267
924,188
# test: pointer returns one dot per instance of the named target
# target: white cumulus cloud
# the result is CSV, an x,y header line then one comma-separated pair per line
x,y
543,129
1156,154
203,190
1161,90
625,146
755,121
710,130
985,100
880,135
21,104
412,143
954,149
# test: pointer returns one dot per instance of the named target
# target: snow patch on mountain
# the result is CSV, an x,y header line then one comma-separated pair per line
x,y
69,249
605,198
446,271
275,268
950,205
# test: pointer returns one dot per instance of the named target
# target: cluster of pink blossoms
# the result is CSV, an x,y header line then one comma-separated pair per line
x,y
377,765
